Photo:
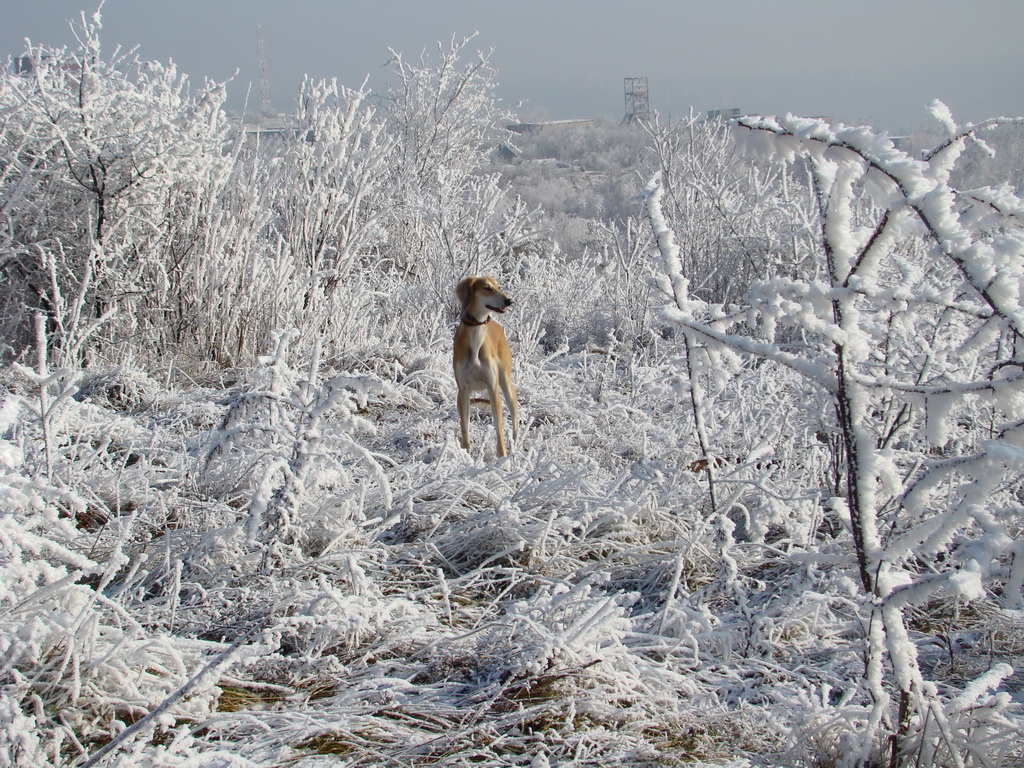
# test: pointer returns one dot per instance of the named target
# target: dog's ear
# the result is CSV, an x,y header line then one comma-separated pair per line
x,y
464,291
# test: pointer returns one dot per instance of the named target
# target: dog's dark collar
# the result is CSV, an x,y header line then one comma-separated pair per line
x,y
468,319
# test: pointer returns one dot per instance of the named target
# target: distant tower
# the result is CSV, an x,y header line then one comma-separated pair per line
x,y
265,107
638,105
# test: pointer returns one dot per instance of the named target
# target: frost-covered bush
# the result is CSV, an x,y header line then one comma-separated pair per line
x,y
909,325
288,439
104,159
588,169
450,216
76,666
736,222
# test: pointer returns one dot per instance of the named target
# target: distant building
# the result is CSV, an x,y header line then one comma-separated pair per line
x,y
722,114
22,65
507,152
540,126
26,65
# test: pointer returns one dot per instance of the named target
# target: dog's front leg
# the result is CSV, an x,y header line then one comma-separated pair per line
x,y
499,427
463,406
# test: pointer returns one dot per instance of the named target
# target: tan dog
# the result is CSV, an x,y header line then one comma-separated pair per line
x,y
482,358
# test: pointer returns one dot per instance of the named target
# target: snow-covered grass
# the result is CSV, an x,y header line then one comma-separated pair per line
x,y
575,603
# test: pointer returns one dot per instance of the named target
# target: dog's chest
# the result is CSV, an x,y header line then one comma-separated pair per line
x,y
475,363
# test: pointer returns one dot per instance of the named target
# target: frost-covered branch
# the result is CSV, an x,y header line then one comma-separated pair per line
x,y
900,332
990,267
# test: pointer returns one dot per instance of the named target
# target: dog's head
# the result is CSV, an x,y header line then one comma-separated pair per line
x,y
480,295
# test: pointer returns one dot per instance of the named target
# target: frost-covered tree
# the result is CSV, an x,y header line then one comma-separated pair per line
x,y
332,182
908,322
106,156
142,220
282,238
444,112
734,221
451,217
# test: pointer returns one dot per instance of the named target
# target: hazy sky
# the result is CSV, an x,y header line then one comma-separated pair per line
x,y
877,61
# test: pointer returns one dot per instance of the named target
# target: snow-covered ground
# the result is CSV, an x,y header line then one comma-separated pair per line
x,y
766,508
576,602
